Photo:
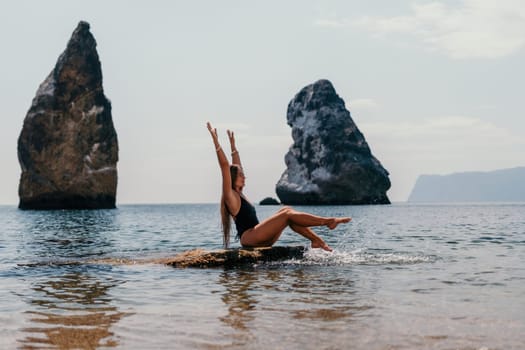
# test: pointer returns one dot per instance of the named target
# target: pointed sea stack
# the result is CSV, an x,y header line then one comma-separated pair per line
x,y
329,162
68,148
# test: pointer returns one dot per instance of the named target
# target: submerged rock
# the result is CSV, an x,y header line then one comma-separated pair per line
x,y
269,201
68,146
330,161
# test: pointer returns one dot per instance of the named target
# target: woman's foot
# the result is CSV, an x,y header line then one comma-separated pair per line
x,y
323,245
333,222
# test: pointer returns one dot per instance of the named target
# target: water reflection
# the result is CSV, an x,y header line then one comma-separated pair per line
x,y
239,301
261,300
72,311
324,297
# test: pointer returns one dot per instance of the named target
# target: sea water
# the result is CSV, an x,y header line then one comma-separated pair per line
x,y
402,276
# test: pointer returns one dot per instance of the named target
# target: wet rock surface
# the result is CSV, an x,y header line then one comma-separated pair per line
x,y
234,257
68,147
330,162
199,258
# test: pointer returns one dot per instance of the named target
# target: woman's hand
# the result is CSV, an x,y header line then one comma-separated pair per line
x,y
235,154
213,133
232,139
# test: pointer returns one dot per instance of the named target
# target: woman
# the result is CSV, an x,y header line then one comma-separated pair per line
x,y
249,230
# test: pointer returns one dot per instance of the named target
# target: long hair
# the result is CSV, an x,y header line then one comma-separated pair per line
x,y
225,213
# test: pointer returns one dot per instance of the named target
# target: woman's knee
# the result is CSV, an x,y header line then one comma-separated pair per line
x,y
285,209
286,212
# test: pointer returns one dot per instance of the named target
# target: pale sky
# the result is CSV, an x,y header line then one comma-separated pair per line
x,y
435,86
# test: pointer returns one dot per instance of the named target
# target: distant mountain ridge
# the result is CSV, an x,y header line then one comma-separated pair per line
x,y
505,185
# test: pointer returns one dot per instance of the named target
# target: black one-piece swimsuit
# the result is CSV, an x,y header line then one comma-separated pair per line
x,y
246,217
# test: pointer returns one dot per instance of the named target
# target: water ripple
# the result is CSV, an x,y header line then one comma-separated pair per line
x,y
70,276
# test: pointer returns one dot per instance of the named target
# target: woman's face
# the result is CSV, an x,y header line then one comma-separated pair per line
x,y
240,180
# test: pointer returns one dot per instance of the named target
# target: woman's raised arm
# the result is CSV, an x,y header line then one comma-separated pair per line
x,y
221,157
231,200
236,159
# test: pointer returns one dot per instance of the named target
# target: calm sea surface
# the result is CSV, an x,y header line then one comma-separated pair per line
x,y
402,277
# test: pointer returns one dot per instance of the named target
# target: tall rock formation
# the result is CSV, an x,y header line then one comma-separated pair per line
x,y
68,146
329,161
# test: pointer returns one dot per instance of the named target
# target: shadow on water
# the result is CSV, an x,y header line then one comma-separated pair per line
x,y
71,311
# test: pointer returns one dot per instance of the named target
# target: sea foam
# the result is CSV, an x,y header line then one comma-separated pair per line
x,y
360,257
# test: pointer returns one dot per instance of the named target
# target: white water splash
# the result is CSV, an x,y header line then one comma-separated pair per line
x,y
360,257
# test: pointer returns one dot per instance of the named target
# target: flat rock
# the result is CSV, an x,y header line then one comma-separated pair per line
x,y
329,162
68,146
234,257
199,258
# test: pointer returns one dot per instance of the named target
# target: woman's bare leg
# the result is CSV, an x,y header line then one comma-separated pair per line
x,y
267,232
309,220
317,242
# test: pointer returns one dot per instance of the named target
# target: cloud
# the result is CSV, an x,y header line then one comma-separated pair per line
x,y
448,129
449,141
473,29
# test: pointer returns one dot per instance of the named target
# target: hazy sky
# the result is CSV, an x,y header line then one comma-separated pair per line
x,y
435,86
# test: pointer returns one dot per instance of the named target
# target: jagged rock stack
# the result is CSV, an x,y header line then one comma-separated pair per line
x,y
68,146
329,162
